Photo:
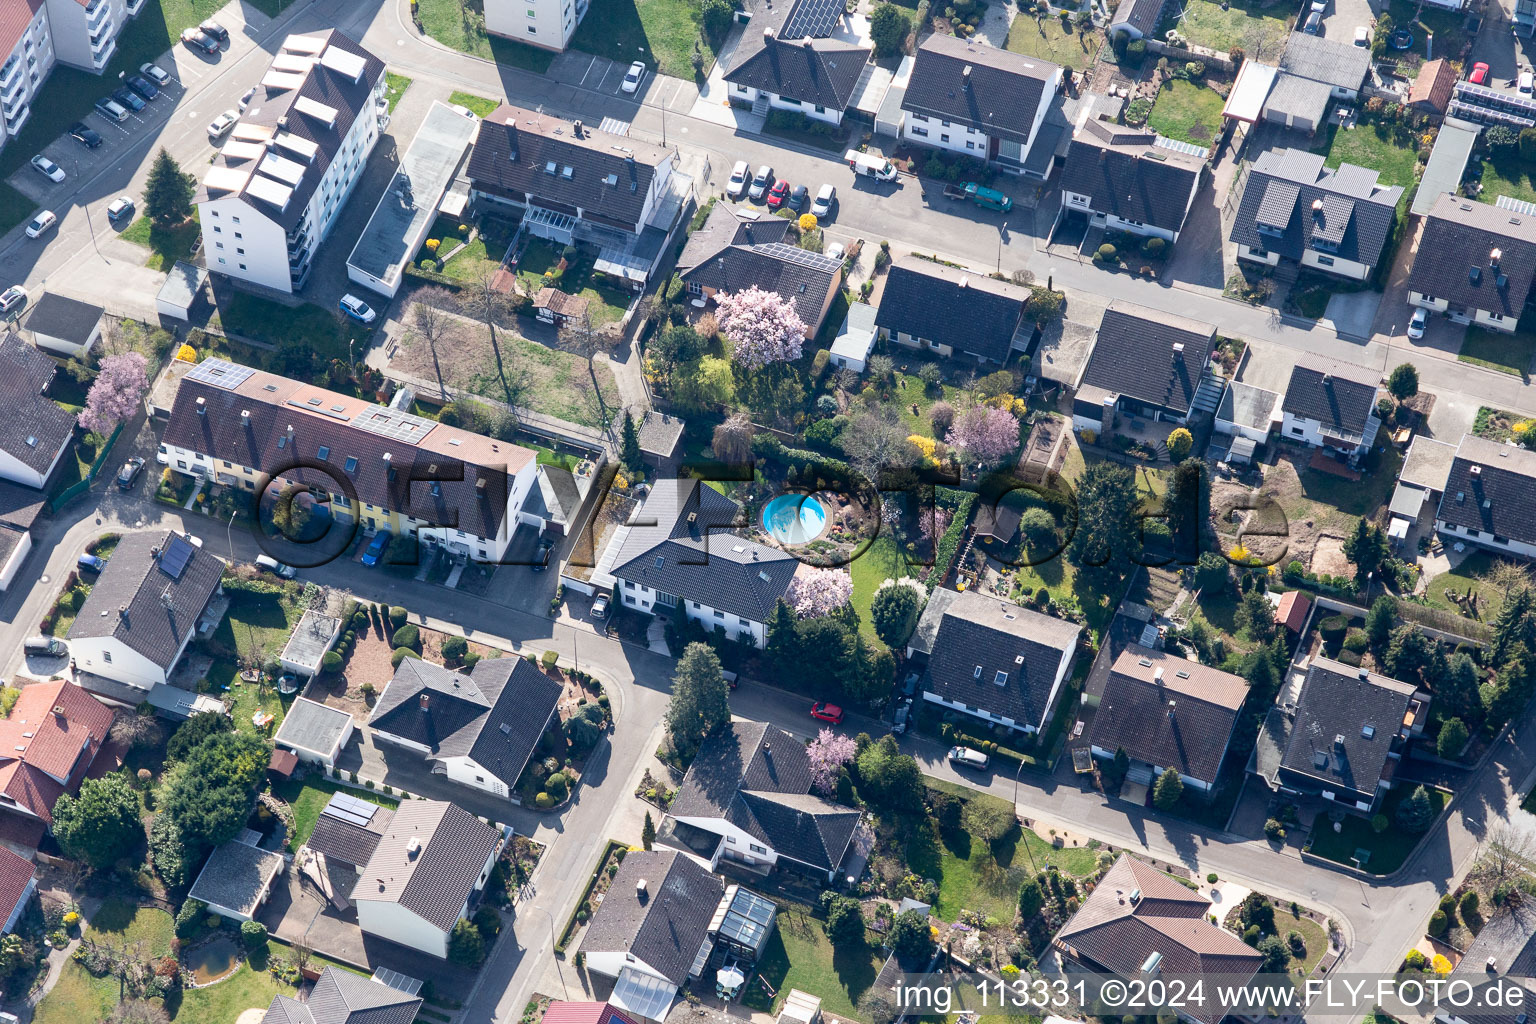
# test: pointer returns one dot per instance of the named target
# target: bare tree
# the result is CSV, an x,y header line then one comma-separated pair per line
x,y
1507,576
1508,854
300,952
589,397
876,440
489,305
579,336
433,326
733,440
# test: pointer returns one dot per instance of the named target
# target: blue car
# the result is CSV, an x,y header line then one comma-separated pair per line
x,y
376,548
91,563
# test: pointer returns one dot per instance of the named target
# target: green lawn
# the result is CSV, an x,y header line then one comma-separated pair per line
x,y
551,372
478,105
1388,849
911,391
470,262
605,304
15,207
394,88
1352,497
1449,28
1461,579
307,326
1507,353
880,561
550,457
247,698
1049,41
80,997
1312,934
256,624
1372,146
1253,26
309,797
663,33
165,245
799,955
1507,177
1187,112
448,23
224,1002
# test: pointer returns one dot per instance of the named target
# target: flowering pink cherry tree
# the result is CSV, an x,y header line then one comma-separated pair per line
x,y
763,328
828,752
933,522
116,393
985,434
814,593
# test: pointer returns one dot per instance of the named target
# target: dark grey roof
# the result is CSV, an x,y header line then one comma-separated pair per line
x,y
1455,262
758,777
1283,185
341,997
280,109
436,881
236,876
980,636
1332,61
1492,488
994,91
1340,396
1296,97
1127,174
1135,356
344,841
137,600
1247,406
20,506
494,715
37,429
1168,712
786,50
963,309
312,726
59,316
1337,702
1141,15
698,560
732,255
663,925
516,147
659,433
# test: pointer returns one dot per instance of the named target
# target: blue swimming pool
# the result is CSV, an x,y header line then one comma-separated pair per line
x,y
794,518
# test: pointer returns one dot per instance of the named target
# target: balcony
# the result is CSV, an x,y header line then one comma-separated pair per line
x,y
13,92
99,60
96,13
13,123
103,38
134,7
11,73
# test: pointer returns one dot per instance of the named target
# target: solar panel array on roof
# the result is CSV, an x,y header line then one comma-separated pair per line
x,y
315,109
395,424
343,62
282,169
274,192
178,552
220,373
800,257
350,809
813,18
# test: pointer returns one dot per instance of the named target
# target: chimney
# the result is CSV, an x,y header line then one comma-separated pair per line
x,y
1178,349
1365,673
412,847
386,458
966,78
1327,378
290,433
1494,257
1157,676
154,553
964,282
245,417
1171,706
576,128
768,34
426,700
1317,207
58,709
202,407
122,611
640,889
1338,741
166,600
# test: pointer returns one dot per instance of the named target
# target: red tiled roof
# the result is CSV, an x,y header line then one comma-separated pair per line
x,y
585,1013
15,873
1434,86
1292,613
15,16
283,762
39,746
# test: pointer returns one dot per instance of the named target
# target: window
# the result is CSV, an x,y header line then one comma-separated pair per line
x,y
106,656
242,266
741,88
235,219
1298,430
532,13
920,131
695,605
227,465
351,464
323,453
181,463
970,145
240,251
239,235
532,31
757,849
218,230
343,501
1495,316
944,138
218,245
479,778
920,117
820,109
694,288
731,840
215,213
1325,261
628,585
943,124
719,615
1500,540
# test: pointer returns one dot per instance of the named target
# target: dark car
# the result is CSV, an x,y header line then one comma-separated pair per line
x,y
215,30
91,563
129,473
797,198
129,98
84,134
375,549
541,557
197,39
143,86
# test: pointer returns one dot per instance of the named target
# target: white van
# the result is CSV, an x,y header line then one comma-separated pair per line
x,y
877,167
1525,79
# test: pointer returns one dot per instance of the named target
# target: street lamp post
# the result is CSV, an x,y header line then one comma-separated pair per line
x,y
1000,233
1050,280
1363,897
229,535
1027,850
552,944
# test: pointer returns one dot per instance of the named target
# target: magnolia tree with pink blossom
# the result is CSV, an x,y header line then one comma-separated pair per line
x,y
984,434
814,593
828,752
115,396
933,521
763,328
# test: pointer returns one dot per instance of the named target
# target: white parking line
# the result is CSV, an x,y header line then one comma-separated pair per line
x,y
590,65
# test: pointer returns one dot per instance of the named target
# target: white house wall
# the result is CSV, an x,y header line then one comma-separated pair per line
x,y
265,241
65,346
947,135
610,964
739,844
1484,539
12,468
547,24
643,598
389,920
125,665
13,564
467,772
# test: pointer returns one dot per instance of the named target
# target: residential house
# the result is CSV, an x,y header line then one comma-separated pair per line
x,y
561,1012
1131,179
347,832
1139,921
378,467
51,738
478,729
921,298
1314,70
64,326
666,921
1496,968
737,248
979,100
1487,497
1432,90
1332,405
1420,482
237,878
1146,364
278,183
1294,209
1475,263
426,873
1345,738
19,508
677,555
991,659
342,997
314,732
545,24
40,432
747,799
1168,714
18,884
1136,19
570,182
144,609
36,35
855,338
553,306
799,55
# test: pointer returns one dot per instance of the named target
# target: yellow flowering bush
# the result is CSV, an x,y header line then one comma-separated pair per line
x,y
807,222
1088,436
928,446
433,243
1238,554
1441,964
187,354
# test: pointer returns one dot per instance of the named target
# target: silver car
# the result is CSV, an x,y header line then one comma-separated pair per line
x,y
761,182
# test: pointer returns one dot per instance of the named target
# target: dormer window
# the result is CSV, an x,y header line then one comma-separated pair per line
x,y
1001,679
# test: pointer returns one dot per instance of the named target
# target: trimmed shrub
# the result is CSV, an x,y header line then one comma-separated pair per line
x,y
543,801
454,648
397,616
549,659
253,934
1333,628
400,654
1438,923
557,785
408,635
330,661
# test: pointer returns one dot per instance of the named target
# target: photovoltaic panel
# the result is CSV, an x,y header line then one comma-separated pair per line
x,y
173,560
350,809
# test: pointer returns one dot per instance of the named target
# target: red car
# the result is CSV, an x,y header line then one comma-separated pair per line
x,y
1479,74
827,712
778,194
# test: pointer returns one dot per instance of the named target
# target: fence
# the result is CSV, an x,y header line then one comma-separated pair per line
x,y
74,490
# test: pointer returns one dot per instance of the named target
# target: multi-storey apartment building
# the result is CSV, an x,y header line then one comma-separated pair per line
x,y
37,34
274,191
547,24
380,468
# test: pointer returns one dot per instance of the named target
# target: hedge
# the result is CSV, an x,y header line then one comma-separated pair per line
x,y
397,616
949,544
586,892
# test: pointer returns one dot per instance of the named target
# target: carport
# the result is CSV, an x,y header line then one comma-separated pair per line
x,y
180,292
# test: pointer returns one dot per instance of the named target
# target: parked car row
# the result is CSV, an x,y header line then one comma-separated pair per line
x,y
777,192
206,38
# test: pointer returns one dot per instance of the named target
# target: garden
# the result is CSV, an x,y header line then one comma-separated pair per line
x,y
165,245
1257,27
673,37
1187,110
1056,39
1386,139
1380,844
539,264
1498,350
461,26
